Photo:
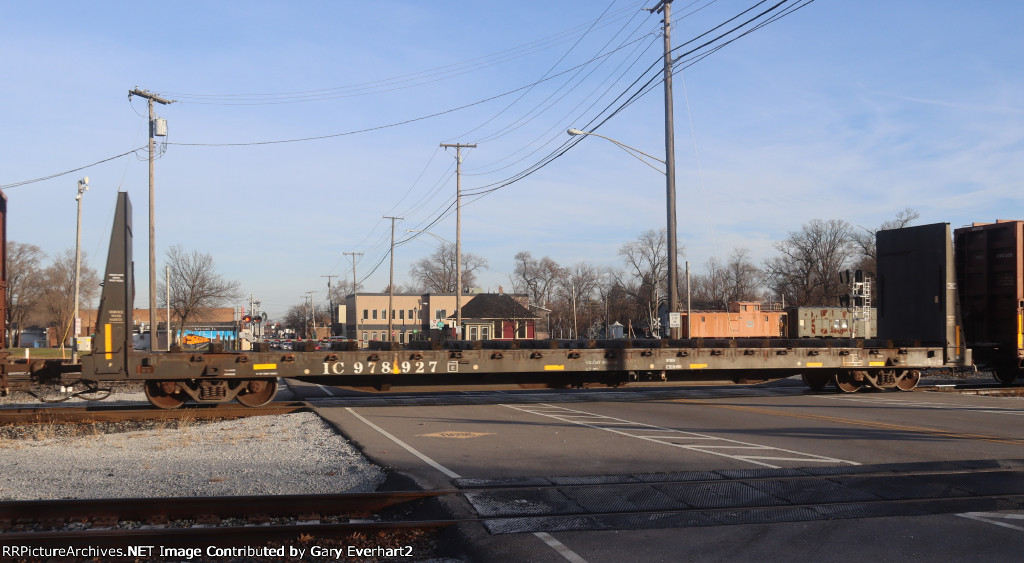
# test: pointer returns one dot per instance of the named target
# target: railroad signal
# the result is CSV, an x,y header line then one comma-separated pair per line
x,y
247,319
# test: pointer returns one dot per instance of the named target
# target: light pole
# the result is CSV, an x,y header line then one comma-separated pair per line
x,y
673,274
83,186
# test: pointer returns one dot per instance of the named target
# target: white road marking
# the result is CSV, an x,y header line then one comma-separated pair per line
x,y
994,519
326,390
558,546
672,437
924,404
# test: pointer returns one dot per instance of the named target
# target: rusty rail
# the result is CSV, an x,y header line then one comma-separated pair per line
x,y
122,413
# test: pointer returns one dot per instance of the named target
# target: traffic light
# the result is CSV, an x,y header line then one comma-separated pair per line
x,y
247,319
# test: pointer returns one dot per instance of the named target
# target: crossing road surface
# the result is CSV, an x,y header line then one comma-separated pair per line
x,y
708,474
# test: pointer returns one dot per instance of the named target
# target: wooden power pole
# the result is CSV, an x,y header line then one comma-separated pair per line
x,y
150,98
355,294
458,233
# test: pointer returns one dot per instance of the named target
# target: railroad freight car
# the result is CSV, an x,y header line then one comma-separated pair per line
x,y
921,321
831,322
990,270
744,319
3,267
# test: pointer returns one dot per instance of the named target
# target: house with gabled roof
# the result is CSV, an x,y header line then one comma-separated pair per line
x,y
497,316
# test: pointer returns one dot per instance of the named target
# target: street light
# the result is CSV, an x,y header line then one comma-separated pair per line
x,y
83,186
630,150
442,239
673,274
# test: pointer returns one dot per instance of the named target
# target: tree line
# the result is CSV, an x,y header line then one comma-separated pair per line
x,y
41,289
574,301
580,300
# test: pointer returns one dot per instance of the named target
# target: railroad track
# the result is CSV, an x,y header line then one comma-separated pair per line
x,y
717,498
537,504
204,521
992,389
122,413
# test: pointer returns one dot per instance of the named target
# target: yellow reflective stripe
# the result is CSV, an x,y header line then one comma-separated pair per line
x,y
554,367
106,340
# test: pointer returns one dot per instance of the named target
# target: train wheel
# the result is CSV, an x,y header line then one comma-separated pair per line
x,y
883,379
165,394
257,392
1006,373
845,382
816,380
909,380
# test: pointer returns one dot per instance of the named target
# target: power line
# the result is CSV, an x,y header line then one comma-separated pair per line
x,y
411,120
446,71
66,172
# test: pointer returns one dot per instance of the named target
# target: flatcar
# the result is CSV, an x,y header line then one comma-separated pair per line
x,y
918,323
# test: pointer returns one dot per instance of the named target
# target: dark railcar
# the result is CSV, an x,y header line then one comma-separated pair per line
x,y
3,267
990,270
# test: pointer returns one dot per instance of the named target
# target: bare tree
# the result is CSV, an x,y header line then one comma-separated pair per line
x,y
807,272
297,318
577,287
436,273
646,273
58,287
865,239
195,285
301,319
743,277
710,289
342,289
535,277
24,286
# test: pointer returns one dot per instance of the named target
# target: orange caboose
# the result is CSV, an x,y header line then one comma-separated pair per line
x,y
743,319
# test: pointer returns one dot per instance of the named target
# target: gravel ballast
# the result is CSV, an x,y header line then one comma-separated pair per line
x,y
265,455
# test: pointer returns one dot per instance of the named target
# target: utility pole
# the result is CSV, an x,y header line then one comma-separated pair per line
x,y
665,6
391,284
355,294
330,303
167,287
458,233
150,98
312,312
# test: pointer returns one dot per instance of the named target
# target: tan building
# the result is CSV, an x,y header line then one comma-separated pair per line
x,y
412,316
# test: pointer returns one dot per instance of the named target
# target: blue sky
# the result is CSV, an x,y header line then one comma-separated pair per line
x,y
851,110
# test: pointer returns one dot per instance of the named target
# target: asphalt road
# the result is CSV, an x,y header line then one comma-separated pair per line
x,y
697,437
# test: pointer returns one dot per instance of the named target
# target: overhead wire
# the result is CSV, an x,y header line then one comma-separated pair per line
x,y
66,172
450,70
637,92
547,72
